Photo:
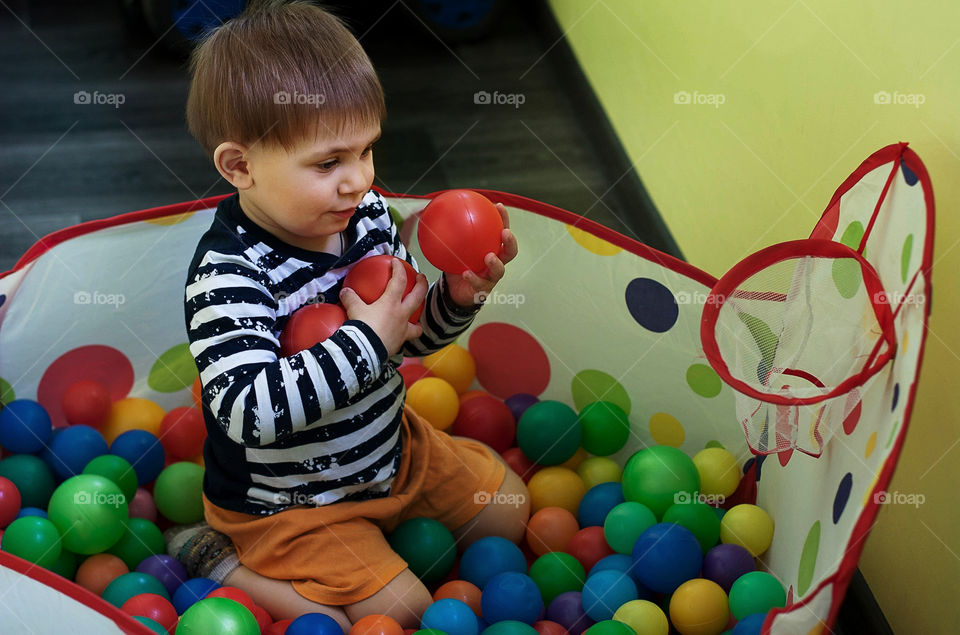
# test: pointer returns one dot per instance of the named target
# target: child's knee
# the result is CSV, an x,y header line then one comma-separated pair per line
x,y
404,599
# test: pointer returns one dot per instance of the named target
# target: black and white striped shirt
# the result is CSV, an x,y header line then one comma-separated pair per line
x,y
316,427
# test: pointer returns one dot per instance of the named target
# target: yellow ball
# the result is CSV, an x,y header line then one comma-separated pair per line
x,y
555,486
574,461
435,400
699,607
599,469
643,617
454,364
132,413
747,526
719,472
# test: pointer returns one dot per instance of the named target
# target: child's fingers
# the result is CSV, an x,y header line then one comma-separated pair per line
x,y
510,248
495,267
350,300
397,282
503,214
417,294
413,331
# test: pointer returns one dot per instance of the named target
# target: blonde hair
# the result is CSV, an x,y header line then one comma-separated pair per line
x,y
277,73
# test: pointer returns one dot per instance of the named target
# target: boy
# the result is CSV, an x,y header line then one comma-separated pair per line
x,y
311,458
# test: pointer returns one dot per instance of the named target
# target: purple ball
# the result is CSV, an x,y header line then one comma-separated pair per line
x,y
725,563
165,568
567,610
519,402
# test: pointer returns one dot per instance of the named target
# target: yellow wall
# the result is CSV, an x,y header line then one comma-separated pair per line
x,y
798,80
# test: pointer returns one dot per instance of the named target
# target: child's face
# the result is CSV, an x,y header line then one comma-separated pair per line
x,y
309,194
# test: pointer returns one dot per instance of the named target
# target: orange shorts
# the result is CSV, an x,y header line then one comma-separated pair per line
x,y
337,554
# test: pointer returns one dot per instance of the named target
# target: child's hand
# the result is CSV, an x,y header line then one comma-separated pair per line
x,y
389,315
470,288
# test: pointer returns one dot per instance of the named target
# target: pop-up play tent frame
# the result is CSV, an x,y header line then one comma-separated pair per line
x,y
584,313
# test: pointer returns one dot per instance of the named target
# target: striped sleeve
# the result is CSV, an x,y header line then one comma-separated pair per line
x,y
257,397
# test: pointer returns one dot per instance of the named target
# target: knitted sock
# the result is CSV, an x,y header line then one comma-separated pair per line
x,y
203,551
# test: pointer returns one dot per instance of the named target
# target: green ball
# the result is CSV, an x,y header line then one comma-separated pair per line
x,y
605,428
151,624
624,524
66,564
557,572
660,476
217,615
756,592
141,539
178,492
124,587
548,432
610,627
509,627
427,546
699,518
117,469
33,538
89,511
33,478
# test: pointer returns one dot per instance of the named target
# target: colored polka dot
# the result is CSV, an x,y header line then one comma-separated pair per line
x,y
595,385
765,340
871,445
593,243
509,360
808,558
908,175
3,298
173,219
896,396
818,629
666,430
851,420
852,235
714,444
7,394
651,304
905,254
893,434
104,364
846,271
703,380
174,370
842,496
760,461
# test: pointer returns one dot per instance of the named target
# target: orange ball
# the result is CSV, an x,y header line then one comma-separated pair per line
x,y
99,570
435,400
132,413
376,625
195,392
550,529
461,590
454,364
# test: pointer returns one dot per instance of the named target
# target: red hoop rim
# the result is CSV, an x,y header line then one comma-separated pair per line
x,y
768,257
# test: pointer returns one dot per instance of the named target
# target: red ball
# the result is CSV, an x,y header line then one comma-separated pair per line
x,y
412,372
457,229
153,606
589,546
182,432
310,325
9,501
233,593
487,419
262,616
278,628
370,276
520,464
86,402
546,627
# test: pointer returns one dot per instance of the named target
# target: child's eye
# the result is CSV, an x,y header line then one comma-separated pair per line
x,y
367,151
328,165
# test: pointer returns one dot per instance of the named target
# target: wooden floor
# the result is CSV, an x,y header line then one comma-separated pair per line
x,y
62,162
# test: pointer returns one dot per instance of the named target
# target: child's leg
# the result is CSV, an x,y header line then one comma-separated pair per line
x,y
279,597
404,598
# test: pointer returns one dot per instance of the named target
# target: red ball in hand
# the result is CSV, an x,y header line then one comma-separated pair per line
x,y
310,325
457,229
370,276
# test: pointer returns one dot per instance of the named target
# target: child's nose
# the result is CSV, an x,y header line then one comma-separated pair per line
x,y
356,180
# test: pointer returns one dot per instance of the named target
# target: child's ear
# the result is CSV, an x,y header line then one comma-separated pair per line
x,y
232,161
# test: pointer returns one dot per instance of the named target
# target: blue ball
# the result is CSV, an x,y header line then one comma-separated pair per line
x,y
72,448
750,625
624,563
31,511
314,624
144,453
25,427
604,592
453,617
191,592
489,556
665,556
511,596
597,503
